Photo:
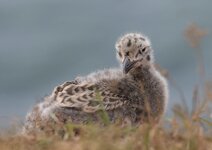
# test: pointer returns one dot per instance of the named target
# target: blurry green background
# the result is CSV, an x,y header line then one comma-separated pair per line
x,y
46,42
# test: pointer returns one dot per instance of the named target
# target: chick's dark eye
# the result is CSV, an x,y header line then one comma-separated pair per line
x,y
144,49
127,53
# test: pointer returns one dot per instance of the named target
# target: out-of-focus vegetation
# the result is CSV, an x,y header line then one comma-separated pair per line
x,y
185,130
182,132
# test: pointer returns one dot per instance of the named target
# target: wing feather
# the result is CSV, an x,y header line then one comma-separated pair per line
x,y
88,97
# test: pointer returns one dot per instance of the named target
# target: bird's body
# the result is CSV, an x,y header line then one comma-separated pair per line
x,y
139,94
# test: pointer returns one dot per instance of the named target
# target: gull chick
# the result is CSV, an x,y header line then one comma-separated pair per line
x,y
136,92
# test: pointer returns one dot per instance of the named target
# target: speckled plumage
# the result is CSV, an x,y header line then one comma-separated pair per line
x,y
137,94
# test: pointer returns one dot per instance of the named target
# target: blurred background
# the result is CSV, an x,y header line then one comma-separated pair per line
x,y
46,42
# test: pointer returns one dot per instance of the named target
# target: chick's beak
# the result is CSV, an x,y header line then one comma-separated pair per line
x,y
127,65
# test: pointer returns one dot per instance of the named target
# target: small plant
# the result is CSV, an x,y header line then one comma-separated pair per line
x,y
102,113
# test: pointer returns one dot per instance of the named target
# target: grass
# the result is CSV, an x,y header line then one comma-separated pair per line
x,y
181,133
185,130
